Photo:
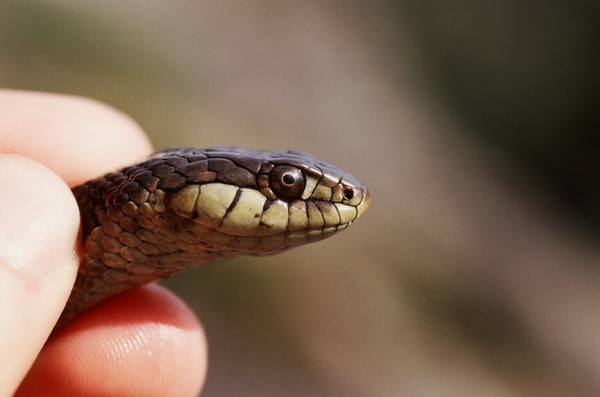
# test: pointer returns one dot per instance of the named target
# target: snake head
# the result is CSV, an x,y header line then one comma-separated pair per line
x,y
261,202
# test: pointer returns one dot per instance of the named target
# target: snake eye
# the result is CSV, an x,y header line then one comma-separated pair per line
x,y
287,182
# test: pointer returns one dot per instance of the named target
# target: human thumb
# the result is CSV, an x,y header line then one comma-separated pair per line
x,y
38,263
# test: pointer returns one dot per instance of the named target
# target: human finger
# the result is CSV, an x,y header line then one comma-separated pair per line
x,y
144,342
38,228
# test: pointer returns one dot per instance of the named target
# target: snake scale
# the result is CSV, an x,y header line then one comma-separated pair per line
x,y
185,207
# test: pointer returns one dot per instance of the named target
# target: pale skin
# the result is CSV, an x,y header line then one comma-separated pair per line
x,y
143,342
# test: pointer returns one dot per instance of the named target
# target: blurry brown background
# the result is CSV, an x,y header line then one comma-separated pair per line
x,y
476,272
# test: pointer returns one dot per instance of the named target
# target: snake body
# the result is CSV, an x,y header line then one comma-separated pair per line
x,y
187,207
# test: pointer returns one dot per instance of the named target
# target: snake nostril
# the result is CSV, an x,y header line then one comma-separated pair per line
x,y
348,193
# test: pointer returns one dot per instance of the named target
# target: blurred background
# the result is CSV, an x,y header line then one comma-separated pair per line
x,y
476,125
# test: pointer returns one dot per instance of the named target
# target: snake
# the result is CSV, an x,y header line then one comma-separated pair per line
x,y
184,207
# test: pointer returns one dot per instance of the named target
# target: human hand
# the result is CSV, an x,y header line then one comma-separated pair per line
x,y
143,342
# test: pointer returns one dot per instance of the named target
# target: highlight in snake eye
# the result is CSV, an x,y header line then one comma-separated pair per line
x,y
287,182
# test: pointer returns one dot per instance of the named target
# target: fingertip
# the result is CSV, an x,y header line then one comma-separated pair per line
x,y
99,137
38,228
147,341
39,216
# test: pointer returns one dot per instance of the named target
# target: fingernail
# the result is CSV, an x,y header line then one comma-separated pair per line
x,y
38,217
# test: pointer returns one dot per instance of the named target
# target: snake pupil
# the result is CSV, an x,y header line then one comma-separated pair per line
x,y
288,179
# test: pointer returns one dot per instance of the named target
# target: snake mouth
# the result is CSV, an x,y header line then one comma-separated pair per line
x,y
243,220
246,212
